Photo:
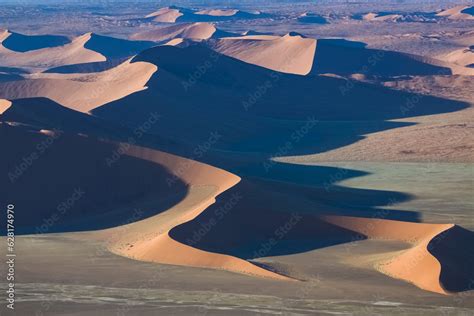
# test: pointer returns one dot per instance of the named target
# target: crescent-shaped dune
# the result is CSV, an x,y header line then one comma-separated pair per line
x,y
429,256
87,48
161,191
23,43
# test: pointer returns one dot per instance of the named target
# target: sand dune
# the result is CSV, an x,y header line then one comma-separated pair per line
x,y
424,263
287,97
291,53
4,105
23,43
149,240
168,192
82,92
374,17
87,48
174,14
166,15
458,13
463,57
185,31
40,59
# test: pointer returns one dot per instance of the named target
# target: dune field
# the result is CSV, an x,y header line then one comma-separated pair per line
x,y
237,159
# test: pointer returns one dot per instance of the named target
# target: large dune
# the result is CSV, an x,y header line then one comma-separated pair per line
x,y
116,184
312,18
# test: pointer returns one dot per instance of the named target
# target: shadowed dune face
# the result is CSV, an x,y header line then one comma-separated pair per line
x,y
295,54
98,189
24,43
453,248
82,91
334,56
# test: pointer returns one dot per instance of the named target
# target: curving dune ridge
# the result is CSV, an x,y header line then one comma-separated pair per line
x,y
425,263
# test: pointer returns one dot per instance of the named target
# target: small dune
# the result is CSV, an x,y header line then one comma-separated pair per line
x,y
197,30
458,13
